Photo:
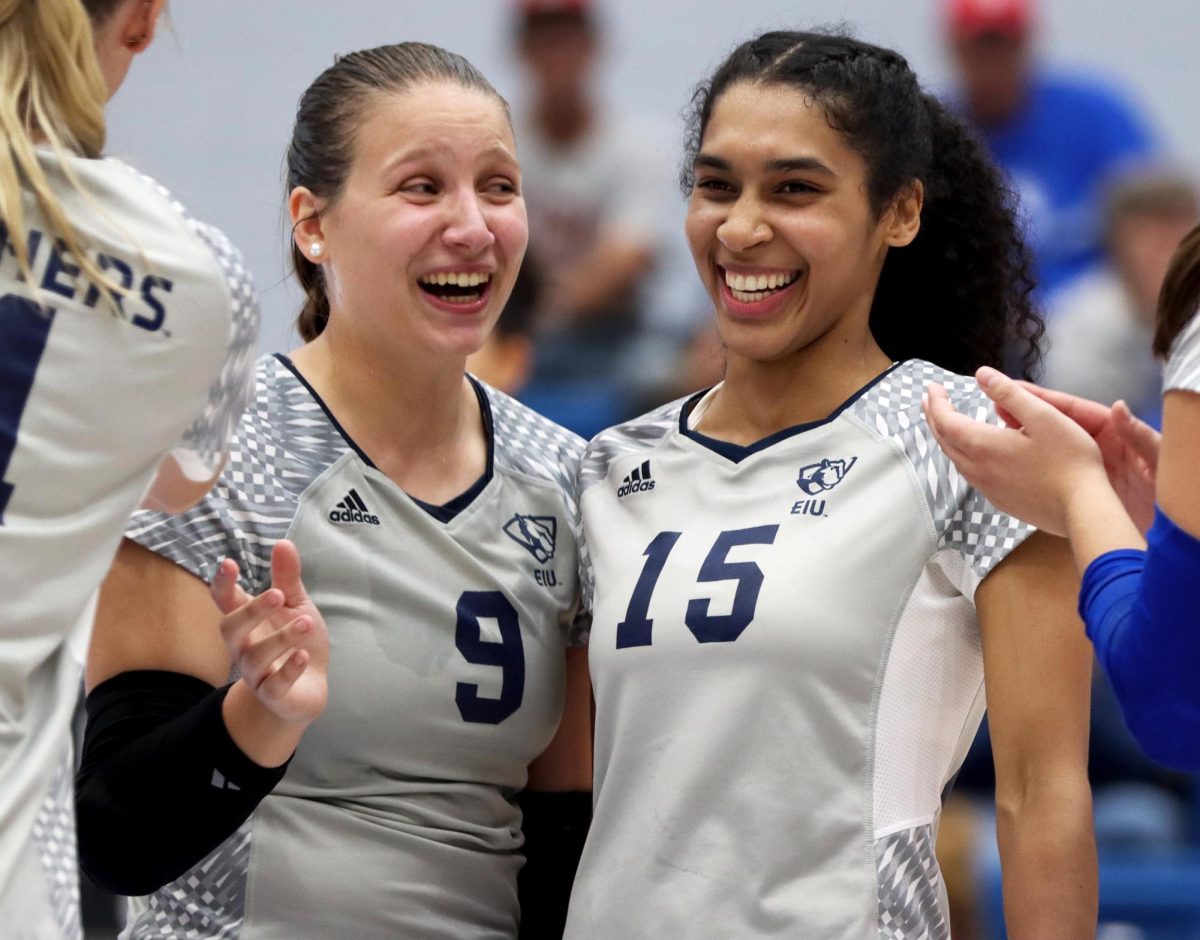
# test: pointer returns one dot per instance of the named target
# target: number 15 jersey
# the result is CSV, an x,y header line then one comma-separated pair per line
x,y
787,669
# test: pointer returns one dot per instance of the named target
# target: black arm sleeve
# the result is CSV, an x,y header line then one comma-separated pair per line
x,y
161,783
555,827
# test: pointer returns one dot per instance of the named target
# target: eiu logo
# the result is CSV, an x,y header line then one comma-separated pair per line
x,y
639,481
535,534
824,475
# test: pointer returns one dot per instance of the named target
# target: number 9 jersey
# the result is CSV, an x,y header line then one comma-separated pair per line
x,y
787,669
448,627
94,392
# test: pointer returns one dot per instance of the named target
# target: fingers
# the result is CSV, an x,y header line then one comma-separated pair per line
x,y
961,438
285,572
1092,416
1138,436
1017,405
225,590
262,657
284,675
237,626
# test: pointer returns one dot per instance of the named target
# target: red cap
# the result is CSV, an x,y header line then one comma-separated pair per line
x,y
969,18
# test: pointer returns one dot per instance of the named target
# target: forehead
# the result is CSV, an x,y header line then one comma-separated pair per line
x,y
760,123
434,117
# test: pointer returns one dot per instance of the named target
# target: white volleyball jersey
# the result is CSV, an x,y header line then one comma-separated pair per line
x,y
1183,367
91,399
448,628
787,669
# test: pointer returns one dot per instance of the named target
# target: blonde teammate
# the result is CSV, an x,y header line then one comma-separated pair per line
x,y
125,336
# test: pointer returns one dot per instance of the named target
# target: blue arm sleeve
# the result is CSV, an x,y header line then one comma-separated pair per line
x,y
1142,611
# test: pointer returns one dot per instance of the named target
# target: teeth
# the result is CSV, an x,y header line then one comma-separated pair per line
x,y
456,279
748,284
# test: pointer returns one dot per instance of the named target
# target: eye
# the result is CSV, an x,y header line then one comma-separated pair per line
x,y
798,188
419,187
502,187
712,186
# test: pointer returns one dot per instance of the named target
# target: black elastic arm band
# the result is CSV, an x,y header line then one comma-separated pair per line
x,y
555,827
161,783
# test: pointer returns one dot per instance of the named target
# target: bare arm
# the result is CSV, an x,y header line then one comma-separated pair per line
x,y
1177,487
567,763
174,492
155,615
1037,666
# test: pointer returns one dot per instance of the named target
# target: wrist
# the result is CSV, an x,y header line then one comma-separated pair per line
x,y
259,733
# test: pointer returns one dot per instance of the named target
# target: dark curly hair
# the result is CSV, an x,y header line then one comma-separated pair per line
x,y
328,118
959,294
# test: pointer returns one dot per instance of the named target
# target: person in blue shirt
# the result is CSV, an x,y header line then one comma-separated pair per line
x,y
1102,478
1059,137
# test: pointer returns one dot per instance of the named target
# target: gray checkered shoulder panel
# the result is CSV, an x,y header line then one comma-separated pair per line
x,y
228,394
54,839
283,442
206,903
965,521
909,878
631,437
526,443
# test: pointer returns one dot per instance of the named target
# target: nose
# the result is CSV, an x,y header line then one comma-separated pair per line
x,y
467,228
744,226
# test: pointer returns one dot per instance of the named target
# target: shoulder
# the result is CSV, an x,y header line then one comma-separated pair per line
x,y
962,516
527,443
214,242
640,435
892,406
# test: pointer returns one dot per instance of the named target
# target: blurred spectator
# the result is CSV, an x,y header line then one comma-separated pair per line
x,y
596,196
1101,326
1059,137
506,358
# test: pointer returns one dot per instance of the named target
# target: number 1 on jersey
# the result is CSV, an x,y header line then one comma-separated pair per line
x,y
24,330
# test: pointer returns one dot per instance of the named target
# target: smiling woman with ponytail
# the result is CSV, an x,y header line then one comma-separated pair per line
x,y
125,328
790,632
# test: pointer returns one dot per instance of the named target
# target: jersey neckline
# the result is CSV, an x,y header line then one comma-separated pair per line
x,y
736,453
448,510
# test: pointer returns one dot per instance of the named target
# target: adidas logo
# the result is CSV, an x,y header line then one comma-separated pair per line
x,y
352,509
637,482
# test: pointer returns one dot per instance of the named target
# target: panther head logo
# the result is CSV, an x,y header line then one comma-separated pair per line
x,y
823,475
536,534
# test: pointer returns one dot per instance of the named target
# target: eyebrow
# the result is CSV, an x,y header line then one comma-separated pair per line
x,y
496,149
787,165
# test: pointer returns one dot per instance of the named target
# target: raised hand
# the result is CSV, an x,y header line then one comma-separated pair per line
x,y
1128,446
278,641
1031,469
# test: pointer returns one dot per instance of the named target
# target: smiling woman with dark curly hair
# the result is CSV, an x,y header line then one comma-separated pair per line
x,y
795,600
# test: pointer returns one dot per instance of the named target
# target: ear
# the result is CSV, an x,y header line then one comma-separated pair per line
x,y
903,217
139,23
307,231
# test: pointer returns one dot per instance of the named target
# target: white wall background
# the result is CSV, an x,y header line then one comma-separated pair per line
x,y
208,109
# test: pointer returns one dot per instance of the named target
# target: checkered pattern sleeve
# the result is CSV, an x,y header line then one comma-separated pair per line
x,y
202,447
536,447
973,536
282,443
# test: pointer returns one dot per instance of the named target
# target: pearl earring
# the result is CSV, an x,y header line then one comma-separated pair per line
x,y
316,249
